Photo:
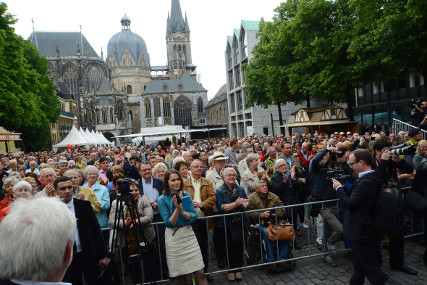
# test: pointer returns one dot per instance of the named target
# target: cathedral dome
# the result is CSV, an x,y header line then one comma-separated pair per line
x,y
127,40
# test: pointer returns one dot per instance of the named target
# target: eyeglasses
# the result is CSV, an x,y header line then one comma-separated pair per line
x,y
351,163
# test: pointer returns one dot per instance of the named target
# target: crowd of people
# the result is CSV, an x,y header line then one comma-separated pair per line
x,y
177,184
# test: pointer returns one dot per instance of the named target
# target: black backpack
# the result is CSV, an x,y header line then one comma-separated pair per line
x,y
389,209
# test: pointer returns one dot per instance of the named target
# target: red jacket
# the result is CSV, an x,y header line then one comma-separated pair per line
x,y
302,158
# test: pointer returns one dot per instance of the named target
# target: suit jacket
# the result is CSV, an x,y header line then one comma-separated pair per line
x,y
359,208
8,282
91,240
157,183
207,195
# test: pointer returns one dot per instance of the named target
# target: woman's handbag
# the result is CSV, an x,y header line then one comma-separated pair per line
x,y
282,232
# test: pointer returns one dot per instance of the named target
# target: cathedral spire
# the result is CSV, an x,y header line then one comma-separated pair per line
x,y
175,21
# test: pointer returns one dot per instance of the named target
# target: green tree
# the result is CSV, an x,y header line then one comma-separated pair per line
x,y
27,94
266,75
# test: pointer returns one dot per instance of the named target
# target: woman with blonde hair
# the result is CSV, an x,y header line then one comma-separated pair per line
x,y
159,170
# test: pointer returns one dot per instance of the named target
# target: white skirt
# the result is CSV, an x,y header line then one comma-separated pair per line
x,y
182,251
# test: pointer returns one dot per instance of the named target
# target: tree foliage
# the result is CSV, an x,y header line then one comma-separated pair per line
x,y
27,94
325,49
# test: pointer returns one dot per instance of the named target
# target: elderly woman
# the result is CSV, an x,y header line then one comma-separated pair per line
x,y
159,170
231,198
91,174
182,167
421,153
8,185
183,253
30,179
253,174
21,189
136,219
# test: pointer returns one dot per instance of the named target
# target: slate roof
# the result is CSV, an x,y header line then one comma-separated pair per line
x,y
175,22
63,91
127,40
103,101
105,87
189,85
67,43
220,96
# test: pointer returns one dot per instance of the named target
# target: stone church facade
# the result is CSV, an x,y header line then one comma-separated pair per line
x,y
124,93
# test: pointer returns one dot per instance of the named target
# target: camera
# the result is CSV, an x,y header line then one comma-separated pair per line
x,y
124,186
337,174
418,103
335,154
403,149
178,199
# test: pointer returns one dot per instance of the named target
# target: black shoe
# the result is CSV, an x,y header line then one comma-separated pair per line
x,y
209,278
407,270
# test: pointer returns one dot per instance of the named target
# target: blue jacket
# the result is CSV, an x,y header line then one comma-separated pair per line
x,y
222,198
323,189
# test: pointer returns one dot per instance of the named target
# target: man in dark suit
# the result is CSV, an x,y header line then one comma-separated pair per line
x,y
359,211
90,252
47,254
152,188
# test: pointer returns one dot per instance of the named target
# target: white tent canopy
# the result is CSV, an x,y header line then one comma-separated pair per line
x,y
74,138
158,132
100,137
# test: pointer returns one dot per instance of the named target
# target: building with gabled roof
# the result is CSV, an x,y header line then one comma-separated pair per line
x,y
245,120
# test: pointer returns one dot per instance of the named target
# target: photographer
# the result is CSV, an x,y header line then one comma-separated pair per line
x,y
359,206
419,111
144,216
323,190
385,165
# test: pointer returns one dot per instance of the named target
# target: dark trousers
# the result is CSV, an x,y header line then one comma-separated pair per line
x,y
160,246
397,246
219,243
366,258
76,269
200,230
233,243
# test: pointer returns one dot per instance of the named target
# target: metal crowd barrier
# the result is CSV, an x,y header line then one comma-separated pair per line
x,y
402,126
307,241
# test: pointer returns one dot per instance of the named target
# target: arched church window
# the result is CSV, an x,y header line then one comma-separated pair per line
x,y
95,76
70,77
129,89
166,107
147,108
104,116
156,103
200,105
130,116
182,111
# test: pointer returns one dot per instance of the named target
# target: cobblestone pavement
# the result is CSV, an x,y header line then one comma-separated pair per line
x,y
315,271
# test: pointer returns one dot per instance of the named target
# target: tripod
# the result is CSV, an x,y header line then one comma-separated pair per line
x,y
127,223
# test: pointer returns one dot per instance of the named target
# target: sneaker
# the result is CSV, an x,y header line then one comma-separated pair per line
x,y
331,248
319,246
329,260
303,225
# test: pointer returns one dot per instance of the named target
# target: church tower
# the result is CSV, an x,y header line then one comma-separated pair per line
x,y
178,43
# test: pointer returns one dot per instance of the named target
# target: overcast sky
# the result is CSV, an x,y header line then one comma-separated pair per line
x,y
210,23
